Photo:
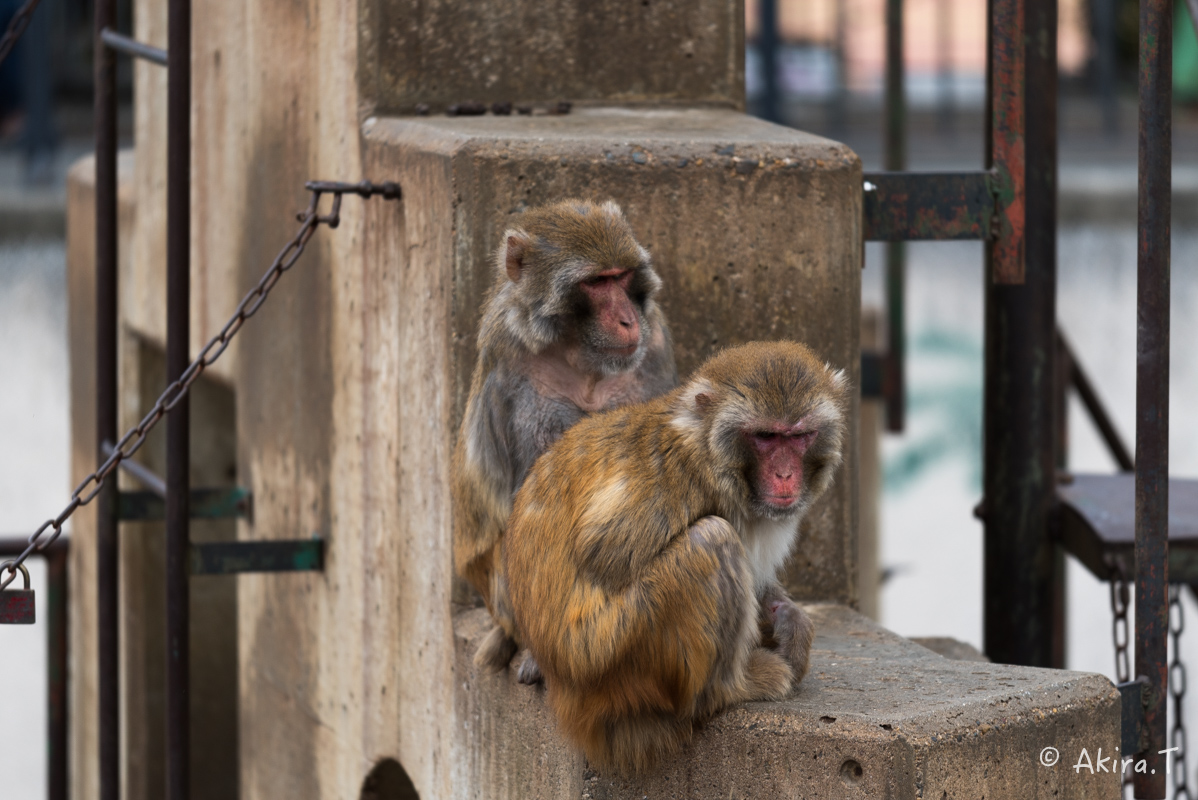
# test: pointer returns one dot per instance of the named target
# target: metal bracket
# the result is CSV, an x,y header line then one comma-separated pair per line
x,y
205,504
230,558
904,206
1134,695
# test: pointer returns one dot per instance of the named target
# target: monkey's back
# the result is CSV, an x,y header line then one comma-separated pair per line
x,y
582,531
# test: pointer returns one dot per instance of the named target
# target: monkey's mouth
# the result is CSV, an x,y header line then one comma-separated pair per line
x,y
780,500
623,352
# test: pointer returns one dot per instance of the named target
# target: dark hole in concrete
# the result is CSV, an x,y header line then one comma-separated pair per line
x,y
388,781
851,772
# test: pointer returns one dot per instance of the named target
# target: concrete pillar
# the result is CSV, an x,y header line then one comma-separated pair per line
x,y
350,381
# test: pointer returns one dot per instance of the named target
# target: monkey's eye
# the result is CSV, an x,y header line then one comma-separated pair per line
x,y
766,436
610,276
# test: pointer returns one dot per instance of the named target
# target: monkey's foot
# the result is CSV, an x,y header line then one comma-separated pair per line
x,y
768,675
496,650
793,630
529,672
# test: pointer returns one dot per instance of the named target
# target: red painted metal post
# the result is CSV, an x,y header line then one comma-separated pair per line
x,y
1007,90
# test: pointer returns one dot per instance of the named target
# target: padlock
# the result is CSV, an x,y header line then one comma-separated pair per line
x,y
16,605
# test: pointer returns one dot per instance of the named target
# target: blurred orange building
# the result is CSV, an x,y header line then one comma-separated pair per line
x,y
939,34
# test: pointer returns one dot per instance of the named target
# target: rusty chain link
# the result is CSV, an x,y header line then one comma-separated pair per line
x,y
16,27
310,219
1177,690
1120,599
1121,633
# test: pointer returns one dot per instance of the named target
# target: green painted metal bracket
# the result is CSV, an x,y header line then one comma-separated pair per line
x,y
230,558
205,504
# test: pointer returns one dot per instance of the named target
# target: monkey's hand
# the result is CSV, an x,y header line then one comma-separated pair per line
x,y
529,672
793,630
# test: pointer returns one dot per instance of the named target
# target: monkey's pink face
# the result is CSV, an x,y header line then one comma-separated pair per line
x,y
615,314
780,449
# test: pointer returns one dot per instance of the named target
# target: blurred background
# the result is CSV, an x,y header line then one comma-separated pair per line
x,y
830,79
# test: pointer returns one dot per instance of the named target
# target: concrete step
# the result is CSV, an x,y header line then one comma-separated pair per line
x,y
878,716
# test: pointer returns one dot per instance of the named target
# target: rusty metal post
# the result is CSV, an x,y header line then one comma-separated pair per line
x,y
1152,379
178,333
56,670
1005,150
767,55
894,387
56,659
107,575
1022,600
946,107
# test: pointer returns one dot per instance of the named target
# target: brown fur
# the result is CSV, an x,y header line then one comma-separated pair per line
x,y
630,554
541,367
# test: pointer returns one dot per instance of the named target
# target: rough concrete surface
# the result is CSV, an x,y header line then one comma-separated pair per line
x,y
877,716
754,229
536,52
950,648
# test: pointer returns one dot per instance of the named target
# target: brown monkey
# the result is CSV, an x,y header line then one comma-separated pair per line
x,y
643,550
569,327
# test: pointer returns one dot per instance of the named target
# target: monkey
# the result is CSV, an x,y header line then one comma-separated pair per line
x,y
643,550
570,326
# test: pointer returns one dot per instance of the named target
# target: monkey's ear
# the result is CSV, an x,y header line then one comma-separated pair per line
x,y
612,208
512,257
703,402
839,378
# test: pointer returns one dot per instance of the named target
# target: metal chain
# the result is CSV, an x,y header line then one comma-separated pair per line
x,y
16,27
1177,690
1120,599
1120,632
249,305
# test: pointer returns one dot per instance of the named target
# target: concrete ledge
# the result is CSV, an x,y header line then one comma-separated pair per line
x,y
878,716
1108,194
32,215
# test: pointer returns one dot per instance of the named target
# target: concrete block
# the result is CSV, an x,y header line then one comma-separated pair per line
x,y
877,716
537,52
754,228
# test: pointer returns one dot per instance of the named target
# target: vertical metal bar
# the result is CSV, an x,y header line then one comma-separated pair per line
x,y
767,52
178,304
1007,86
1103,18
1152,377
56,668
840,95
946,108
1021,604
893,376
107,575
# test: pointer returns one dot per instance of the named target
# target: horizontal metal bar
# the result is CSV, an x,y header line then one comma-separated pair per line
x,y
1096,524
205,504
143,474
228,558
132,47
15,545
904,206
871,374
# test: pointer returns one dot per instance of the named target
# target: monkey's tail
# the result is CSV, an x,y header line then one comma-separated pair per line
x,y
632,745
